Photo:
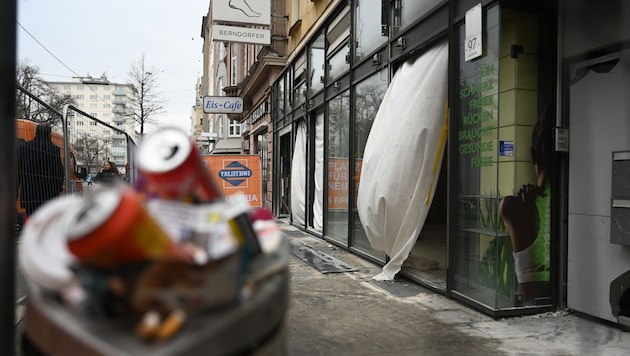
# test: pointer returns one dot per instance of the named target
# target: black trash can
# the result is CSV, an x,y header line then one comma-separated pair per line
x,y
620,299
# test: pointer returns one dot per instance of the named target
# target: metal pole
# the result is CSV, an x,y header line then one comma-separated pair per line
x,y
66,151
8,18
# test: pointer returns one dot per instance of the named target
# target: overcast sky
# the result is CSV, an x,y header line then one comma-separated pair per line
x,y
96,37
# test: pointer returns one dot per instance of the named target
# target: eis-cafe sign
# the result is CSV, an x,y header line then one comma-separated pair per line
x,y
222,105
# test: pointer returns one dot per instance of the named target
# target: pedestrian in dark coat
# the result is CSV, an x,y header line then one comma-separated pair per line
x,y
40,170
108,173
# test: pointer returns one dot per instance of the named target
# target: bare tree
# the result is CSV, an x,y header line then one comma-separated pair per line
x,y
148,102
90,151
29,78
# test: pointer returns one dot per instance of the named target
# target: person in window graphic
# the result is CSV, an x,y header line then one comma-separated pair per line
x,y
40,170
108,173
527,214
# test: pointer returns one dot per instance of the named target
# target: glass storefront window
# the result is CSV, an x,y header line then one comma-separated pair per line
x,y
480,252
338,64
318,57
299,95
367,28
288,91
338,167
412,10
281,99
299,80
496,222
368,97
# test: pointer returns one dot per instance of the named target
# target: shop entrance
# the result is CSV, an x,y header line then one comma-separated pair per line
x,y
426,263
285,175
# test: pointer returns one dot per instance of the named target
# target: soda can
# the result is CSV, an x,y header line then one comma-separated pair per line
x,y
43,253
112,227
171,165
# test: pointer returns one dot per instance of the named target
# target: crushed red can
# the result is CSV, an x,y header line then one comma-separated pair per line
x,y
111,227
171,168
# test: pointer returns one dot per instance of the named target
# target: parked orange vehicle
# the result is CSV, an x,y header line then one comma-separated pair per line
x,y
25,131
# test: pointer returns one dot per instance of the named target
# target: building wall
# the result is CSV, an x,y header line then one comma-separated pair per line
x,y
597,57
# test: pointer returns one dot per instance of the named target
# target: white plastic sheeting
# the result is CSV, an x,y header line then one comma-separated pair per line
x,y
318,203
298,176
403,155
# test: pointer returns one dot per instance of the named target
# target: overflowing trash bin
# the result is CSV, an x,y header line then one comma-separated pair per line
x,y
168,266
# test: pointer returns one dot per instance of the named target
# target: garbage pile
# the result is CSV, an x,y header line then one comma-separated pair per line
x,y
154,253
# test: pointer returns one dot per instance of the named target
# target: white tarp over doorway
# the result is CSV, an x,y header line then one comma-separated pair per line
x,y
403,155
300,178
318,174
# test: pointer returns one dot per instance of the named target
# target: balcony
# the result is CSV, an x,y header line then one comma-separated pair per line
x,y
119,119
119,101
119,92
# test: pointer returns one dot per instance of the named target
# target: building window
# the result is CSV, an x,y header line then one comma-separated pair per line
x,y
233,62
235,128
93,106
66,87
222,51
107,97
93,87
367,28
299,79
79,96
220,84
220,124
80,87
318,58
339,30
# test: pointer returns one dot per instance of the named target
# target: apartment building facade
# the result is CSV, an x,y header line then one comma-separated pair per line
x,y
517,81
106,104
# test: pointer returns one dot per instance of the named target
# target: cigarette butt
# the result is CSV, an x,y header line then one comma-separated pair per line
x,y
171,325
149,325
200,257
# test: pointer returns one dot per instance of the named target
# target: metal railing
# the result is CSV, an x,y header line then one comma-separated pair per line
x,y
85,143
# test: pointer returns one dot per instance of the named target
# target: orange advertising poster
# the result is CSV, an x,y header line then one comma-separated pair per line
x,y
237,174
338,181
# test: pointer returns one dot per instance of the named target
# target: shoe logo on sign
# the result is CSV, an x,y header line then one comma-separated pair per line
x,y
235,173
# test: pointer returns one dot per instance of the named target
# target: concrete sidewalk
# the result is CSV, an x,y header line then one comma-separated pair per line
x,y
350,314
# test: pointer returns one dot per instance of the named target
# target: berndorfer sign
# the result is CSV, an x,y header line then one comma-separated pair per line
x,y
241,34
222,105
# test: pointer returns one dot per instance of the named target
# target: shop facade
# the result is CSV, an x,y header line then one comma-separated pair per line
x,y
500,234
